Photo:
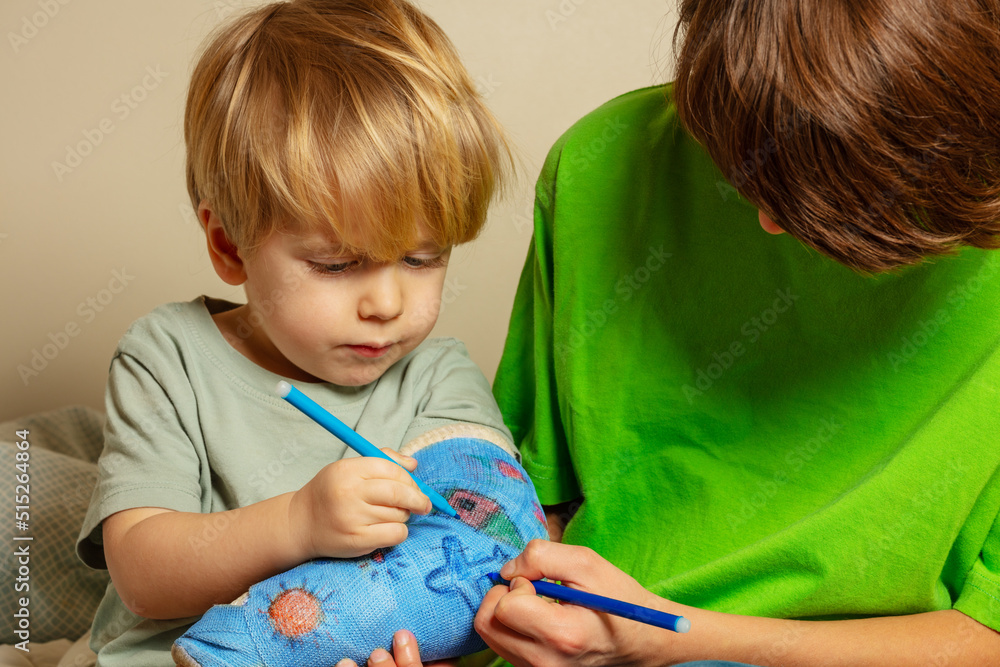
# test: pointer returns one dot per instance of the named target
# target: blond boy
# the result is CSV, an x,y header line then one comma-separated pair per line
x,y
337,151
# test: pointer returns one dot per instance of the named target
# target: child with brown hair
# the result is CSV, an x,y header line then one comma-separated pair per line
x,y
754,431
337,151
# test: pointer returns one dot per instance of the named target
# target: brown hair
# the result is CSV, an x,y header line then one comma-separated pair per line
x,y
351,113
867,129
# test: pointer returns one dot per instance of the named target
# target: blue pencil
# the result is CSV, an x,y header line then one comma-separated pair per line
x,y
660,619
321,416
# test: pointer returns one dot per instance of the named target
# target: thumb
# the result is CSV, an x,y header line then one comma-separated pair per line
x,y
407,462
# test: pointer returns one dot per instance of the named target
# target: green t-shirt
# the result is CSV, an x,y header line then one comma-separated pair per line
x,y
755,428
194,426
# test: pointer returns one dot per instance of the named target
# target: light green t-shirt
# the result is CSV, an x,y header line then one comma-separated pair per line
x,y
194,426
754,428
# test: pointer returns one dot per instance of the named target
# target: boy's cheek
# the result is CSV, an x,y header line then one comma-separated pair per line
x,y
291,279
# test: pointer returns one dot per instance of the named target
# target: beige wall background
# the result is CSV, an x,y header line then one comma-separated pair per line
x,y
95,226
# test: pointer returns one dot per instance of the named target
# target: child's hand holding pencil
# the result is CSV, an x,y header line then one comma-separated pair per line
x,y
354,506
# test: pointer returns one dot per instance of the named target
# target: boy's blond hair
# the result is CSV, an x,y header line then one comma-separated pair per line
x,y
355,114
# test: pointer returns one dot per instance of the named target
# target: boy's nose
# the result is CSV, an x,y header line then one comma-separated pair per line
x,y
383,296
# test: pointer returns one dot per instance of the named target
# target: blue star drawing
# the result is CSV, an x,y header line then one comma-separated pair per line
x,y
461,574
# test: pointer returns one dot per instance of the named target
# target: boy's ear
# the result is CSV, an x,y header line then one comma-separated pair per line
x,y
224,254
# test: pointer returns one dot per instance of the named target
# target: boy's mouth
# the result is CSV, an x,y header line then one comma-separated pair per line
x,y
370,351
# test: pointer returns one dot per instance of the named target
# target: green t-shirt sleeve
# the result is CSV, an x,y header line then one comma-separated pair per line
x,y
980,595
526,382
452,389
148,459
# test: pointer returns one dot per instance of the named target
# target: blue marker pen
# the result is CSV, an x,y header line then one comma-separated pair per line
x,y
321,416
660,619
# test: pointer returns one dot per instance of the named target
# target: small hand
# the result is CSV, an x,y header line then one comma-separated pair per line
x,y
528,630
354,506
405,653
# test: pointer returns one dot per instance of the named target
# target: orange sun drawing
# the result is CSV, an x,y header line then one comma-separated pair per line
x,y
295,612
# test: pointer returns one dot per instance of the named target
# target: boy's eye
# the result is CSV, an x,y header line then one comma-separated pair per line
x,y
339,267
424,262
